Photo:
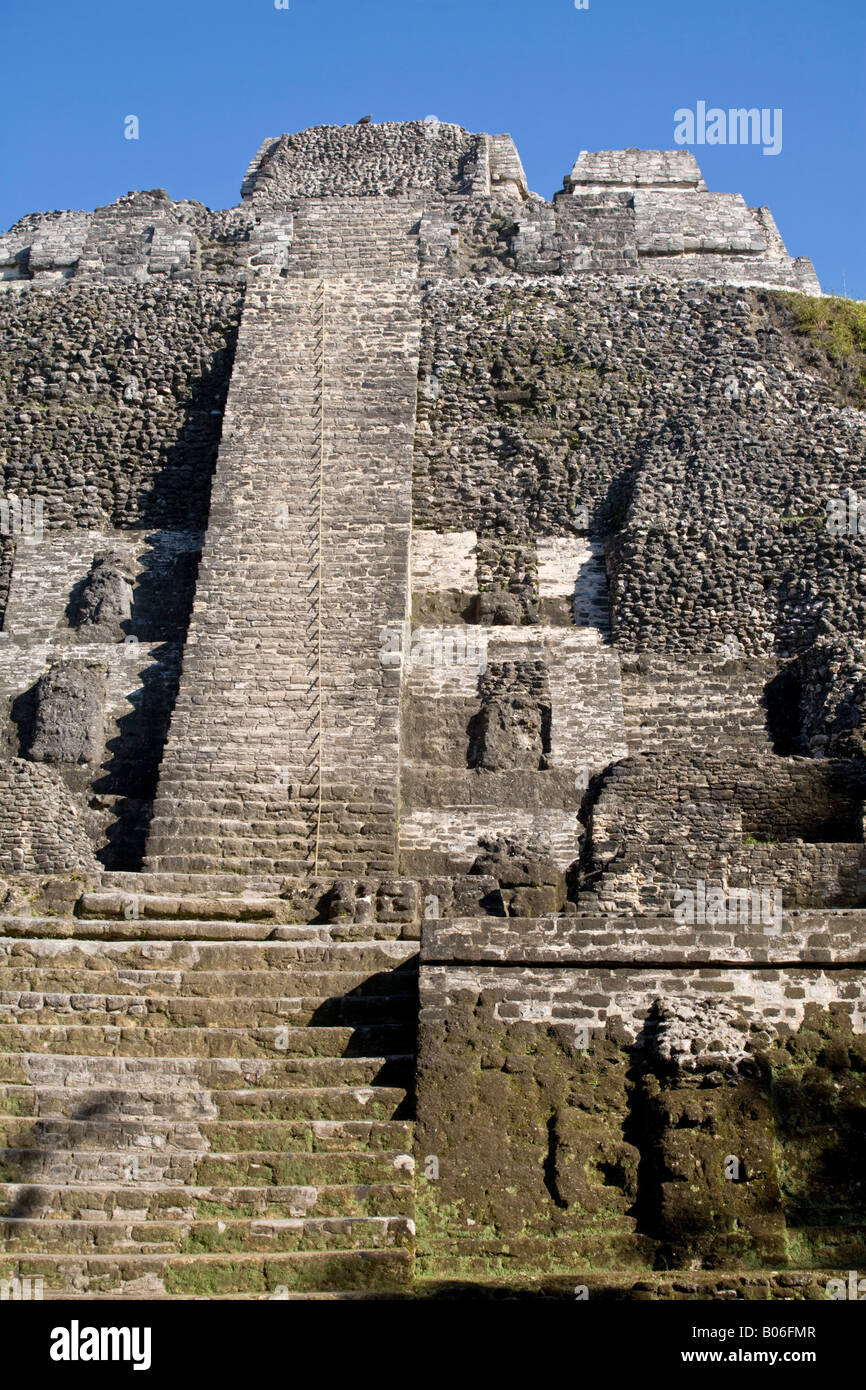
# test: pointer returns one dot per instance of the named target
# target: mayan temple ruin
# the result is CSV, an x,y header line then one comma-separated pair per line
x,y
433,666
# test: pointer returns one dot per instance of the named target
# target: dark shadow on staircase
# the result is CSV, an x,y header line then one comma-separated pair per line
x,y
389,1031
30,1202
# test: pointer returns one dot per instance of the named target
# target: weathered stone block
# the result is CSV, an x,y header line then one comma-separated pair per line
x,y
69,719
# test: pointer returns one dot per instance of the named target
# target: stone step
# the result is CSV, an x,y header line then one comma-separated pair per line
x,y
144,1275
143,1201
202,780
326,957
187,884
224,889
173,929
179,1068
205,911
370,991
274,560
179,1168
283,1235
213,1014
108,1040
396,1295
340,859
196,820
363,1011
201,908
207,1068
239,1102
321,992
217,853
252,786
233,856
262,803
67,972
107,1131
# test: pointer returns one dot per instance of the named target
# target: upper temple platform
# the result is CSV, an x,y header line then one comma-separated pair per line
x,y
429,198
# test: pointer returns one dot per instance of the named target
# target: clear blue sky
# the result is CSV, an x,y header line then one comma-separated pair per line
x,y
210,79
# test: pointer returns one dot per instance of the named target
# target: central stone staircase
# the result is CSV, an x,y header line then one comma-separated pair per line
x,y
283,751
204,1108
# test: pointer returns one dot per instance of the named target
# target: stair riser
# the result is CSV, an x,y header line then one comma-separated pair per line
x,y
318,1041
101,1202
264,1274
255,1170
206,985
220,1137
299,1104
170,1043
33,1237
349,964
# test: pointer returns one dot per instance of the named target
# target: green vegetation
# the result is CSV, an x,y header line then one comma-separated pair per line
x,y
840,323
804,521
839,326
